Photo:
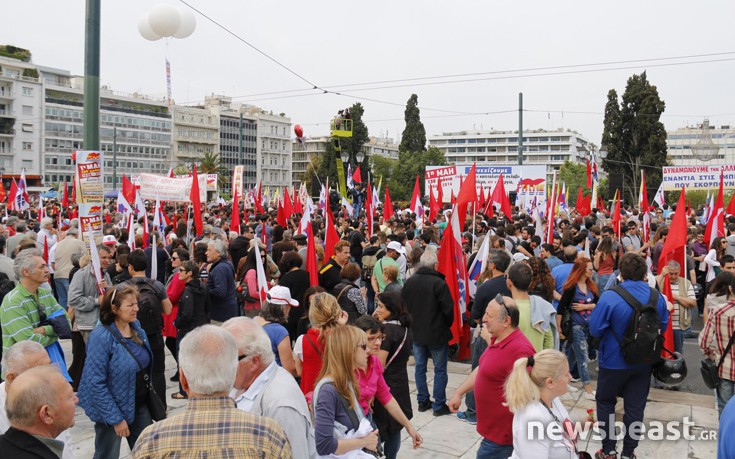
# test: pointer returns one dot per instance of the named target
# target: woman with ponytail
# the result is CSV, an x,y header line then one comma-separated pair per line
x,y
532,393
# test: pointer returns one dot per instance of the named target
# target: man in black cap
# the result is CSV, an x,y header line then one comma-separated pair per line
x,y
300,240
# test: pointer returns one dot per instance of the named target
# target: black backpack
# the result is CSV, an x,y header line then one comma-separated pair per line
x,y
150,310
643,339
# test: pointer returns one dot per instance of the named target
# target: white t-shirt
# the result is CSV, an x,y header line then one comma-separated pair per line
x,y
298,348
560,447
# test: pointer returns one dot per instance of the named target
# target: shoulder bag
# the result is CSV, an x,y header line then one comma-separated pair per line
x,y
710,371
155,406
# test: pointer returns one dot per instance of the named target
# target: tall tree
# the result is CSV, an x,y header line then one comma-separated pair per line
x,y
634,136
414,135
574,175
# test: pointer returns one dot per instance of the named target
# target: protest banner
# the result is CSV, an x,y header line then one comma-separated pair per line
x,y
168,189
90,177
528,181
90,222
698,177
237,179
211,182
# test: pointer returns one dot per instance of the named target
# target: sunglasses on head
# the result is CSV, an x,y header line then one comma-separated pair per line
x,y
499,299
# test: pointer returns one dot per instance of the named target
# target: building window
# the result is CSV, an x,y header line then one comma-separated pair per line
x,y
27,91
27,146
27,110
27,127
27,164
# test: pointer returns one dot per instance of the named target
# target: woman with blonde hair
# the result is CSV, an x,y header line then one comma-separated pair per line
x,y
532,393
335,404
324,315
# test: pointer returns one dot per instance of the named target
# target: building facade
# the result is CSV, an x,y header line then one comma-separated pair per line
x,y
273,148
550,148
21,118
680,141
196,132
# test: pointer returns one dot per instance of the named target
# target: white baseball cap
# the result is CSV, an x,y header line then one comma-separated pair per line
x,y
518,256
395,245
280,295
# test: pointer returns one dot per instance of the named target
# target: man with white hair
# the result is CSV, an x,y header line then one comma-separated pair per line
x,y
221,283
40,407
47,233
211,425
19,358
266,389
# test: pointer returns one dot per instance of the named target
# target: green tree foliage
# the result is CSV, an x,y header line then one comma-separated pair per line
x,y
211,163
382,168
410,164
414,134
634,136
359,137
573,175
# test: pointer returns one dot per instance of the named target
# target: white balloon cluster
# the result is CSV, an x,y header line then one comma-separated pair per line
x,y
166,21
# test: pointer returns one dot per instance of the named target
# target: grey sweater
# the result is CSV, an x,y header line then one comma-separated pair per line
x,y
84,297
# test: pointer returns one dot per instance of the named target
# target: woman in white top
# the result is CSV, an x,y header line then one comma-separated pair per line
x,y
532,392
712,260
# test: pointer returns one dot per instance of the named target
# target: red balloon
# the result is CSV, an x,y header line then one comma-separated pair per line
x,y
298,131
74,156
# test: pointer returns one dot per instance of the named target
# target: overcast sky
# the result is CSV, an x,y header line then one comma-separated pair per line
x,y
345,42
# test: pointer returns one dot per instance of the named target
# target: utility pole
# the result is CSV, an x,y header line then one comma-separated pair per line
x,y
520,128
92,76
114,158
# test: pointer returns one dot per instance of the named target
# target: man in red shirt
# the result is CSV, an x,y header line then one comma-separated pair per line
x,y
506,345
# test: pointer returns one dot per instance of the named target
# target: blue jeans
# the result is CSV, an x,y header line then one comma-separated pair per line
x,y
490,450
440,355
391,445
478,347
62,290
601,281
577,352
724,394
106,441
370,296
678,341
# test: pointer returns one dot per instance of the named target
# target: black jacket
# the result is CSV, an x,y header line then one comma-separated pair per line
x,y
20,445
329,275
340,292
238,249
431,306
194,307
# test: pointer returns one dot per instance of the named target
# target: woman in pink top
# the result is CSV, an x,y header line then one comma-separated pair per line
x,y
373,385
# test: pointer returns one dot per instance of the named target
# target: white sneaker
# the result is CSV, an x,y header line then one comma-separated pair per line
x,y
571,388
590,396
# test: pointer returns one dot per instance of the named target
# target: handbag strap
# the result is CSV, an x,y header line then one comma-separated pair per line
x,y
727,350
126,348
318,352
395,354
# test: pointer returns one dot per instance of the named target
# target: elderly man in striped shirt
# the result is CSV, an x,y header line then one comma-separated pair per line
x,y
29,304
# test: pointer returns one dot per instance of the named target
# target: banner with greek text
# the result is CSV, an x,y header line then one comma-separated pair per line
x,y
167,189
698,177
237,180
90,177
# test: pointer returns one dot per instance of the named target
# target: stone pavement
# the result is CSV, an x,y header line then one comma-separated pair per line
x,y
448,437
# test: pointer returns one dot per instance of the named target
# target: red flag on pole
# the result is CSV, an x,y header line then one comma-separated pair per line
x,y
331,237
369,212
235,219
196,201
65,195
731,206
416,196
298,208
45,249
439,193
669,332
128,189
452,265
433,204
716,223
500,196
467,192
387,206
357,175
311,266
589,175
11,195
676,240
483,200
616,218
287,205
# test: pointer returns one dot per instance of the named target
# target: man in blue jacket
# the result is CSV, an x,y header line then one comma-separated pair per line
x,y
608,321
221,283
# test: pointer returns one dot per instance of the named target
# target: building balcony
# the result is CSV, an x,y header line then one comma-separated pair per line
x,y
5,132
6,114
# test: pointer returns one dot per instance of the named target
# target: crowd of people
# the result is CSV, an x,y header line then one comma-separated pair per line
x,y
316,363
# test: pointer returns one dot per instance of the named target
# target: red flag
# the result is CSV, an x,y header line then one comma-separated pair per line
x,y
3,193
297,207
551,212
287,205
731,206
489,208
416,196
281,215
483,200
235,219
467,192
449,255
45,249
311,266
259,198
669,332
433,204
331,237
500,196
716,222
387,206
676,240
616,216
11,196
128,189
74,193
583,204
197,203
589,175
357,176
439,193
65,195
